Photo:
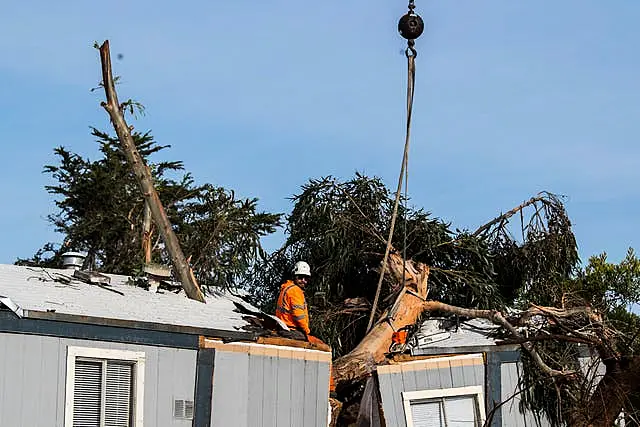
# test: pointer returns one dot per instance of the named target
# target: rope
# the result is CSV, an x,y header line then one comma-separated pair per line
x,y
411,79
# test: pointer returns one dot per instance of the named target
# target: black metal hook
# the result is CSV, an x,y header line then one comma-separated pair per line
x,y
411,26
411,51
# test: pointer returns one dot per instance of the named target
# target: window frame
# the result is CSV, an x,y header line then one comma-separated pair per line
x,y
475,391
98,354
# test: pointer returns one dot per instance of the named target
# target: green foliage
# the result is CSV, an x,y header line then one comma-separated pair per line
x,y
539,393
340,228
100,211
535,266
607,286
223,234
613,290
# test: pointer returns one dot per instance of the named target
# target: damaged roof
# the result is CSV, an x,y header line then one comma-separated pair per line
x,y
53,294
448,336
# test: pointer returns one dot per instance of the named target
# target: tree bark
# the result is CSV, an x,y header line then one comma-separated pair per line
x,y
146,233
411,302
406,310
143,176
618,389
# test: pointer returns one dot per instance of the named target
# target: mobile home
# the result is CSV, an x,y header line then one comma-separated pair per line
x,y
97,350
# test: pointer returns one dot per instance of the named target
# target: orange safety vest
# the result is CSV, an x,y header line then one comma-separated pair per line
x,y
292,307
292,310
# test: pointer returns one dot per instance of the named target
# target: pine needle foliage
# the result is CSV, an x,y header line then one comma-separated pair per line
x,y
100,211
340,228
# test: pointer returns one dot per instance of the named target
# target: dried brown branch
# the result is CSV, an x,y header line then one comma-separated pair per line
x,y
620,383
559,313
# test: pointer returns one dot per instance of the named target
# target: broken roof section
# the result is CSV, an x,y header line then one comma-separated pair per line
x,y
54,294
450,335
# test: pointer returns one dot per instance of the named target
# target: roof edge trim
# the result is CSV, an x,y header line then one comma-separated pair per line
x,y
435,351
103,321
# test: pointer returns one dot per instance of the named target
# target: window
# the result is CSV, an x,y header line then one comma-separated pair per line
x,y
104,388
452,407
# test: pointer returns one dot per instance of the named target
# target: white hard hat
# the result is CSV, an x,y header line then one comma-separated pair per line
x,y
301,269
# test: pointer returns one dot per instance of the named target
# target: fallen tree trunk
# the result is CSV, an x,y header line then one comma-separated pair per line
x,y
540,331
406,310
617,389
409,305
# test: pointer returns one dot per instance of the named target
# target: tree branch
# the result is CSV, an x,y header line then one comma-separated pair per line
x,y
411,302
497,318
509,214
559,313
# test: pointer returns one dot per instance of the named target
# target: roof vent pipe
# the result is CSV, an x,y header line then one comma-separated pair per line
x,y
72,260
156,273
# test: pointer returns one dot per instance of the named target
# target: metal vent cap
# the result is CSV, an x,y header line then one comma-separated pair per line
x,y
73,260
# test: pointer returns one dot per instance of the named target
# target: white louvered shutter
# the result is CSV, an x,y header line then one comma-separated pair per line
x,y
87,396
427,414
118,387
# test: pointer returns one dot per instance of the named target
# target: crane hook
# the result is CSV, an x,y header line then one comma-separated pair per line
x,y
411,26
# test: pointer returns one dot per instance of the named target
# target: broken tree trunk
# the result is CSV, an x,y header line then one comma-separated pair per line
x,y
410,303
146,233
406,310
143,176
618,389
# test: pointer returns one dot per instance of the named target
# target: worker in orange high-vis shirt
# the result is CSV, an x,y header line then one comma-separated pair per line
x,y
292,306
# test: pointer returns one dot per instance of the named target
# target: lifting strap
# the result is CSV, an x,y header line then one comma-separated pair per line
x,y
407,28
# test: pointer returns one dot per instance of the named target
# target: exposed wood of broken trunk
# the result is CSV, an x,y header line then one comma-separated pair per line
x,y
406,310
146,233
143,176
410,303
621,380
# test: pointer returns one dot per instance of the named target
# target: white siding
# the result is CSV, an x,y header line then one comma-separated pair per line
x,y
447,373
33,380
277,390
510,373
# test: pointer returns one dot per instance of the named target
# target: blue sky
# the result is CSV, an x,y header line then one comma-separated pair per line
x,y
259,96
